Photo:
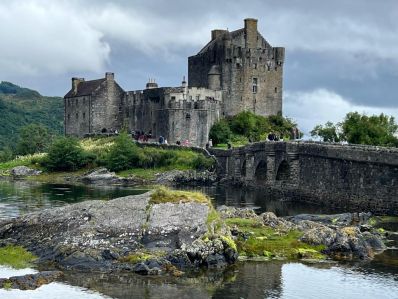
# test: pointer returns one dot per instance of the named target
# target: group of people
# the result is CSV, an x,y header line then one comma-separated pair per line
x,y
141,136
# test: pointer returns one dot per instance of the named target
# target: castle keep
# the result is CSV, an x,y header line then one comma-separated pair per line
x,y
235,71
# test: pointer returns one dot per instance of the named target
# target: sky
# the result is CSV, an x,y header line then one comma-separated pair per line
x,y
341,55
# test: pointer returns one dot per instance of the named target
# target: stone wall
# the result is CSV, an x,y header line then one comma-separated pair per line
x,y
358,178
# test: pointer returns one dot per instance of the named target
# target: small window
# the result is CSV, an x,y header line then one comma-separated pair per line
x,y
84,115
276,68
68,116
198,98
196,105
188,116
255,87
173,98
77,115
190,98
276,89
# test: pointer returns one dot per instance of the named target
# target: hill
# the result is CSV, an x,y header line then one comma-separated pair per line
x,y
22,106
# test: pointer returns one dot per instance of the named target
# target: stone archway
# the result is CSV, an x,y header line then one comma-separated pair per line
x,y
261,172
283,173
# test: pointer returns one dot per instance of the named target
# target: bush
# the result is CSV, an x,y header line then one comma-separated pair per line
x,y
6,155
123,154
33,138
65,153
202,163
220,132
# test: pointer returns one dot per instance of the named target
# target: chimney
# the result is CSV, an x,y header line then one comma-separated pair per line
x,y
217,33
109,76
75,83
251,33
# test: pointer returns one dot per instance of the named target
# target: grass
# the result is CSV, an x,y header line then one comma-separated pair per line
x,y
165,195
31,161
16,257
141,256
267,242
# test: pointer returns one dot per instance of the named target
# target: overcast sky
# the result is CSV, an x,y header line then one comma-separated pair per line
x,y
341,55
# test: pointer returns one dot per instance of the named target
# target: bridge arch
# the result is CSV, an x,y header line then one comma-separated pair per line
x,y
283,172
261,172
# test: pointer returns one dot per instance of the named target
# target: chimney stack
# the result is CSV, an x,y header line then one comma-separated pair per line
x,y
251,33
109,76
75,83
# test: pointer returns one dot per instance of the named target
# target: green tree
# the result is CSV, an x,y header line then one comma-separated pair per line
x,y
65,153
33,138
6,154
328,132
123,154
374,130
250,125
220,132
282,126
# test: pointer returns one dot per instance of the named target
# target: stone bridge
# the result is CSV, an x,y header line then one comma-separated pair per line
x,y
356,178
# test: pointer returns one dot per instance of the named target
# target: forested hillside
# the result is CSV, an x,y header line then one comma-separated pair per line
x,y
22,106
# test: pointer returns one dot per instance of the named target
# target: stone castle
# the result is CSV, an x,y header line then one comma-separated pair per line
x,y
235,71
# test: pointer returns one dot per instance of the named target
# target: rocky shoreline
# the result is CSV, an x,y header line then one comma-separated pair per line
x,y
138,234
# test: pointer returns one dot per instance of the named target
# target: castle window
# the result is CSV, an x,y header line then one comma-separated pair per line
x,y
276,68
198,97
173,98
77,115
188,116
196,105
68,117
255,66
276,89
84,115
255,87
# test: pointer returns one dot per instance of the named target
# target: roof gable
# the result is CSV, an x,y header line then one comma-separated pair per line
x,y
85,88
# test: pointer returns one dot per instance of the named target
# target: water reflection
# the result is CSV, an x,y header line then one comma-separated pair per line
x,y
19,197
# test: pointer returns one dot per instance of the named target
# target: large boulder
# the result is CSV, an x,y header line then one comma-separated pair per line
x,y
20,171
105,235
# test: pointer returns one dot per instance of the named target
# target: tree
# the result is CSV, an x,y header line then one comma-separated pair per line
x,y
250,125
123,154
328,132
220,132
6,154
33,138
359,128
65,153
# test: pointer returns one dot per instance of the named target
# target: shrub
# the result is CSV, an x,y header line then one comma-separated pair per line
x,y
6,155
202,163
220,132
65,153
123,154
33,138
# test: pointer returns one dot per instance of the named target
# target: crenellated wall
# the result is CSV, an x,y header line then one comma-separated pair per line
x,y
358,178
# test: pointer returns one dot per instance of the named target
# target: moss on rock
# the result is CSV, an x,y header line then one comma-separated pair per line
x,y
16,257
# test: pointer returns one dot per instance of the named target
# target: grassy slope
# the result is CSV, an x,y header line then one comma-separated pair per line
x,y
22,106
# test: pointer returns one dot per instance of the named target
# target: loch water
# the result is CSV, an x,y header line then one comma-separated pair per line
x,y
273,279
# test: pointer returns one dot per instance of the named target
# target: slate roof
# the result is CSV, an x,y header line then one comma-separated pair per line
x,y
85,88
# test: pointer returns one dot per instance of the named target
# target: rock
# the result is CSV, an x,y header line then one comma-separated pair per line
x,y
232,212
30,281
100,235
344,219
186,177
271,220
100,176
20,171
216,261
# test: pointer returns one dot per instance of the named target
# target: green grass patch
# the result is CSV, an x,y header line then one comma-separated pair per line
x,y
16,257
265,241
164,195
31,161
143,256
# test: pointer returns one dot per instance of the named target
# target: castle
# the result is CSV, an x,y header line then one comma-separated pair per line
x,y
235,71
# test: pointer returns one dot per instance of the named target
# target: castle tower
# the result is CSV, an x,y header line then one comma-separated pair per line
x,y
244,66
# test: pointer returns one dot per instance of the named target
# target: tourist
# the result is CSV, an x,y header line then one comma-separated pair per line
x,y
178,142
165,141
161,139
210,143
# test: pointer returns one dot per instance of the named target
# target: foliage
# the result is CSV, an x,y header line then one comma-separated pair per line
x,y
328,132
164,195
247,126
31,161
123,154
220,132
21,106
16,257
268,242
6,155
33,138
359,128
65,153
